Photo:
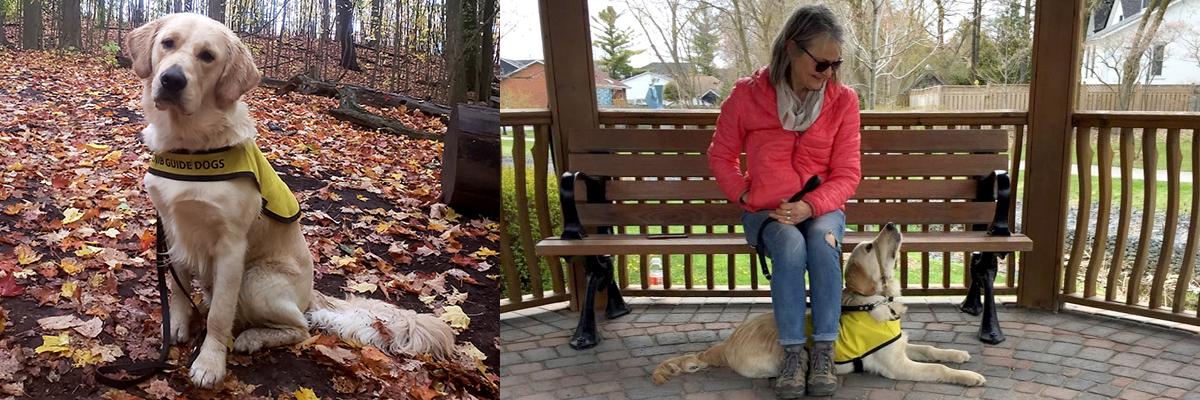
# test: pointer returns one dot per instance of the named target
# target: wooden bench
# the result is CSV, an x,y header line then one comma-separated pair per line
x,y
657,177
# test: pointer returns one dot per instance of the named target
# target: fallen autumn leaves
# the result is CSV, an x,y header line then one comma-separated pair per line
x,y
76,238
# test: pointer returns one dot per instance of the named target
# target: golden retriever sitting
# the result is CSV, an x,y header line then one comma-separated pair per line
x,y
868,340
229,220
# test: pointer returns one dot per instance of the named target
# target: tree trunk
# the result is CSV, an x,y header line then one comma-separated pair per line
x,y
137,13
455,62
69,35
31,26
483,87
216,10
345,34
1143,38
3,36
323,44
377,21
975,41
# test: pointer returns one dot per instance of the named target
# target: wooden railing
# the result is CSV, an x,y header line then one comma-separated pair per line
x,y
698,274
1113,277
522,291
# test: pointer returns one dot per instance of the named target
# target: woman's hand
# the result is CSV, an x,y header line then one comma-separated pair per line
x,y
792,213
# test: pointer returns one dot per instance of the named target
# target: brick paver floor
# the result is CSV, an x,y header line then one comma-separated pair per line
x,y
1066,355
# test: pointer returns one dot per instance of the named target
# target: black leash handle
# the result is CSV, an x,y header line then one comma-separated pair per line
x,y
761,249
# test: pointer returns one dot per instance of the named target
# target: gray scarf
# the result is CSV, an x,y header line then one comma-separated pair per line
x,y
796,114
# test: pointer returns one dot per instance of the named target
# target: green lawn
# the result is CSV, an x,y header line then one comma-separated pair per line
x,y
1137,189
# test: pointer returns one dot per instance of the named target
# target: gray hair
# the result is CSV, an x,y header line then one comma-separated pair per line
x,y
805,24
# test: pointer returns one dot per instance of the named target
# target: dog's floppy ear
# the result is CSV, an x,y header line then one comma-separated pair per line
x,y
240,74
140,44
858,280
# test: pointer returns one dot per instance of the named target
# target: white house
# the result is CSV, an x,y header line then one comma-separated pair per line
x,y
1172,59
640,84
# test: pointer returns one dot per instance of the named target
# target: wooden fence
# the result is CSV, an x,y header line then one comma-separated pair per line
x,y
1016,97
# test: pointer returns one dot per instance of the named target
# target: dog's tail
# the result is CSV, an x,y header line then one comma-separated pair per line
x,y
689,363
390,328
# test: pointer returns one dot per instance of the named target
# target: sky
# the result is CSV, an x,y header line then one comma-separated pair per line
x,y
520,34
521,38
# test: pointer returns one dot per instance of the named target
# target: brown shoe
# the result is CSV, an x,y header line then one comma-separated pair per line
x,y
821,379
790,383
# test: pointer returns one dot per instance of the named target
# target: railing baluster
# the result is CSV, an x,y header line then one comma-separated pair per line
x,y
541,201
1189,253
1083,162
1018,151
1100,244
1157,290
1150,182
522,199
1118,260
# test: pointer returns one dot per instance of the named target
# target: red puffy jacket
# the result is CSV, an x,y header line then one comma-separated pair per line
x,y
780,161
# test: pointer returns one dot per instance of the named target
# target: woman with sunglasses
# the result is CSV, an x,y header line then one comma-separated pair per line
x,y
795,120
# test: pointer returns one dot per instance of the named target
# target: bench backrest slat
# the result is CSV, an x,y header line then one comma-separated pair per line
x,y
959,189
873,141
873,165
729,214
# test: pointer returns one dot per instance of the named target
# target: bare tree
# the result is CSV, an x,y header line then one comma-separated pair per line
x,y
69,34
31,26
885,39
216,10
668,40
1143,37
345,34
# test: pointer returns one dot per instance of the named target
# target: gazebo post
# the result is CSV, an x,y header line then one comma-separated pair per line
x,y
566,38
1056,52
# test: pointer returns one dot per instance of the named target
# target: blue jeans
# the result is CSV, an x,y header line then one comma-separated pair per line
x,y
793,252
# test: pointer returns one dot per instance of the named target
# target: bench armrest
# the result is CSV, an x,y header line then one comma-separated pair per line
x,y
572,227
999,187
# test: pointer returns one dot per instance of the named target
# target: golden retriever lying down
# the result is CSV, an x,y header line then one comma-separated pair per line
x,y
229,220
753,350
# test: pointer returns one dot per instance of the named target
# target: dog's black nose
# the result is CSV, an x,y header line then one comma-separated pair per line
x,y
890,226
173,79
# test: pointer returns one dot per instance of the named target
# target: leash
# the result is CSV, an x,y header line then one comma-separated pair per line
x,y
141,371
761,249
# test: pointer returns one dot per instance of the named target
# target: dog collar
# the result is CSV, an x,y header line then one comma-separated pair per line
x,y
872,306
244,160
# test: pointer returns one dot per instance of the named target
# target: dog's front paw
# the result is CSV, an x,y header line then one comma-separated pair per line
x,y
247,343
208,370
970,378
957,356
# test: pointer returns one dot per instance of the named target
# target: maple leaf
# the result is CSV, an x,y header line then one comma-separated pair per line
x,y
9,286
59,322
87,251
68,289
71,215
456,298
27,255
363,287
463,260
55,344
85,357
485,252
90,328
160,389
423,393
70,265
305,394
455,316
340,355
3,322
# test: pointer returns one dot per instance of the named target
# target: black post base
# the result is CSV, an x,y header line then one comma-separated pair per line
x,y
599,275
984,267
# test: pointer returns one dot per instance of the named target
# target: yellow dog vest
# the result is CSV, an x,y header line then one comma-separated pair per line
x,y
859,335
243,160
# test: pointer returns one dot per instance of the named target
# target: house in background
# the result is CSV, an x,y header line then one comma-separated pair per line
x,y
1167,62
640,85
523,84
610,92
648,89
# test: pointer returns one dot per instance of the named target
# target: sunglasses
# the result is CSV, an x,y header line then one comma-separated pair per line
x,y
823,65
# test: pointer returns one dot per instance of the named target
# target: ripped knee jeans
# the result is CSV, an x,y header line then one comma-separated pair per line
x,y
813,247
